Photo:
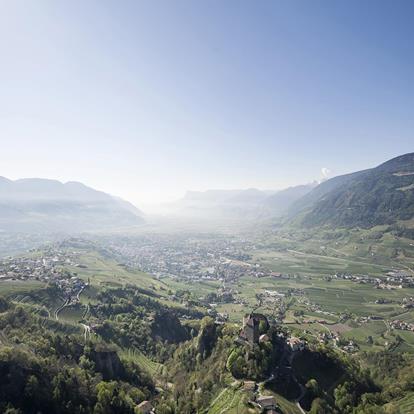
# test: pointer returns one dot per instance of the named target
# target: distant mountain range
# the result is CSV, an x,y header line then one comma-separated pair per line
x,y
239,204
41,205
282,201
380,195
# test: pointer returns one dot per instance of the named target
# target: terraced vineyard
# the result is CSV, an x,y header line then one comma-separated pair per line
x,y
406,405
144,362
229,401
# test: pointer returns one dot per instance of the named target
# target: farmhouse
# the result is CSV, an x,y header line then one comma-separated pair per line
x,y
296,344
266,403
249,386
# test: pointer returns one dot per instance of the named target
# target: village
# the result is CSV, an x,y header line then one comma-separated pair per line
x,y
189,258
395,279
46,266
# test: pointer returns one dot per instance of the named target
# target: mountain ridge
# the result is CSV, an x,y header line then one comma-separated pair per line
x,y
375,196
37,204
250,203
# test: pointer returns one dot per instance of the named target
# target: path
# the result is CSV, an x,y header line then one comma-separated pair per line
x,y
67,302
300,408
60,308
87,331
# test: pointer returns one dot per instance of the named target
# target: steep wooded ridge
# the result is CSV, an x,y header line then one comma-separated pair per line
x,y
381,195
38,205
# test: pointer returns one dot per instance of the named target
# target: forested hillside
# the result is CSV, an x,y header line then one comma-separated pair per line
x,y
382,195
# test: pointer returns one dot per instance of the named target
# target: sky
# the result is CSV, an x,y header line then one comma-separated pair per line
x,y
148,99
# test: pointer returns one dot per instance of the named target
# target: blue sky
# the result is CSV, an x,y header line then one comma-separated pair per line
x,y
148,99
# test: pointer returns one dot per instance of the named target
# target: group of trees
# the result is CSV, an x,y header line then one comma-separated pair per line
x,y
255,363
131,319
45,371
198,367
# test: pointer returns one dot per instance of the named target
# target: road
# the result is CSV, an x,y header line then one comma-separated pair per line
x,y
67,302
60,308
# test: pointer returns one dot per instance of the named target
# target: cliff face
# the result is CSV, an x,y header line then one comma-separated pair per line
x,y
207,338
107,362
167,327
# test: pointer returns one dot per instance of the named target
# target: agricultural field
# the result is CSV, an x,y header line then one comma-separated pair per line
x,y
322,249
302,262
19,288
106,272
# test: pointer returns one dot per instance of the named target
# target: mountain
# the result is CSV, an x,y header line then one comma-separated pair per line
x,y
380,195
214,197
242,204
281,202
220,204
39,205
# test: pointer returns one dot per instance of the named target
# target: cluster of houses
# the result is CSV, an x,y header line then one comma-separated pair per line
x,y
395,279
296,344
254,331
366,319
43,267
221,318
194,258
408,303
350,347
46,266
402,325
265,403
325,337
400,278
277,275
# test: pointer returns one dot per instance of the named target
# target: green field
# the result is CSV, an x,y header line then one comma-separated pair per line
x,y
17,287
106,272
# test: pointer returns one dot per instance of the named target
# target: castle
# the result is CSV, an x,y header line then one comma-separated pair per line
x,y
251,327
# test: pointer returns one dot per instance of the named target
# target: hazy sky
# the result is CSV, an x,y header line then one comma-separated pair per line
x,y
146,99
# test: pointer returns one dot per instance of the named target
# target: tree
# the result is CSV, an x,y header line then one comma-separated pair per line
x,y
111,400
313,387
319,406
